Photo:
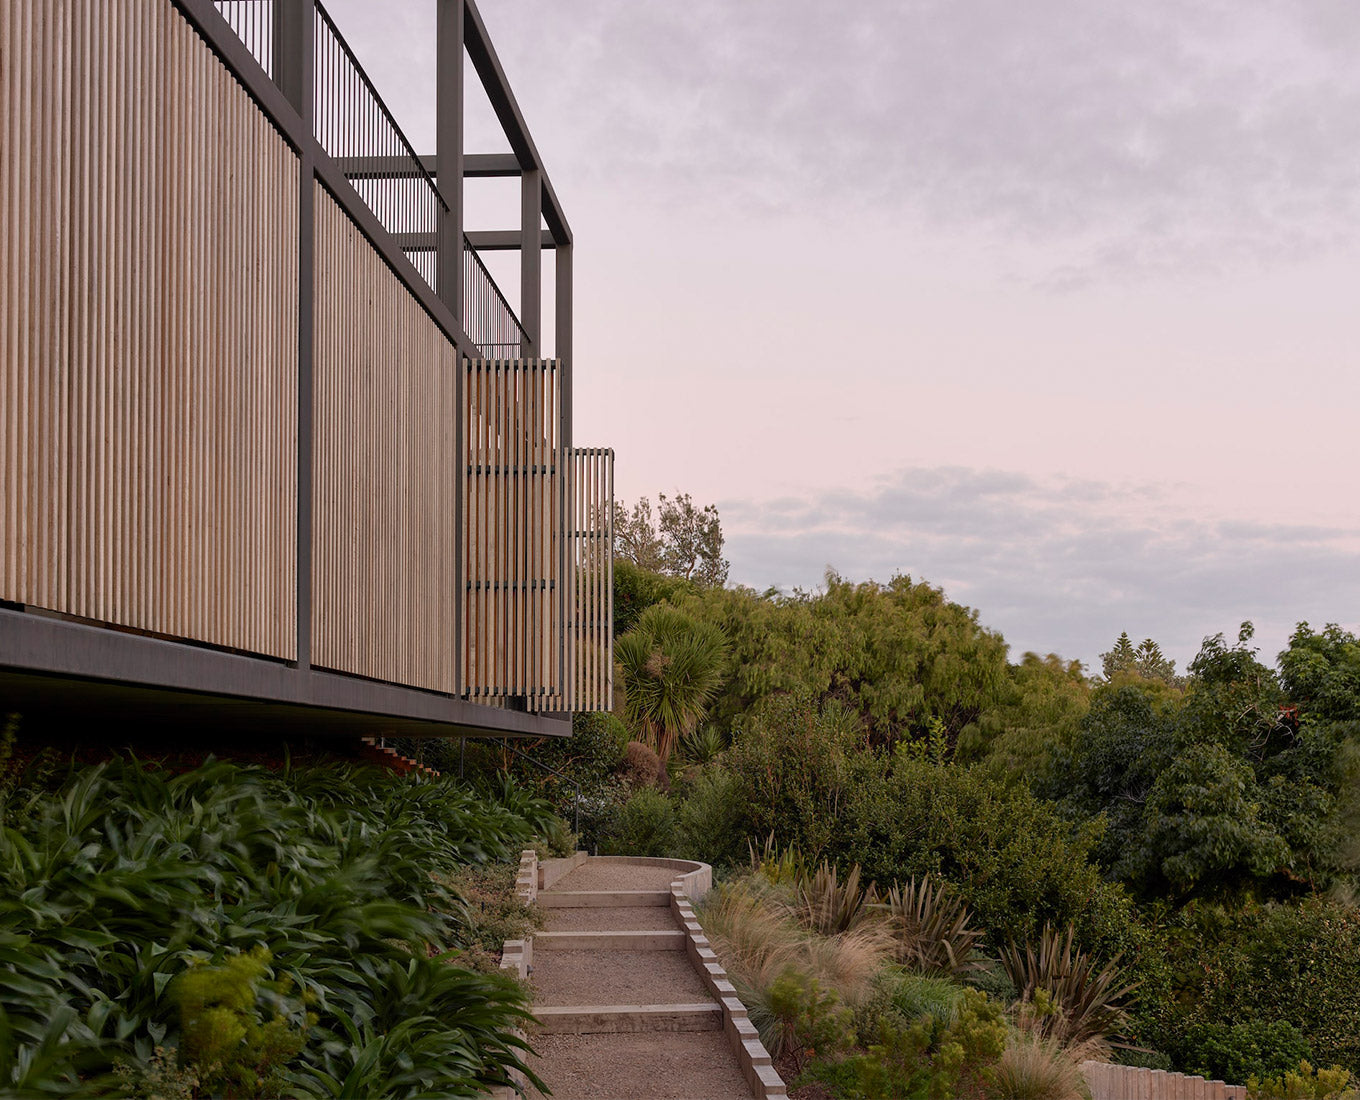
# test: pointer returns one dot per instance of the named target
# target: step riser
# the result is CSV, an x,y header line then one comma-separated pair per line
x,y
609,941
617,899
629,1020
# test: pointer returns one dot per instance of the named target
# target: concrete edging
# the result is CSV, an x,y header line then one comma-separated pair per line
x,y
550,870
518,956
754,1060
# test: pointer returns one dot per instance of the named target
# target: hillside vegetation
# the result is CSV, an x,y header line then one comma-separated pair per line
x,y
1196,833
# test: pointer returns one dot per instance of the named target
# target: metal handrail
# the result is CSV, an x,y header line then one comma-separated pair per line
x,y
378,100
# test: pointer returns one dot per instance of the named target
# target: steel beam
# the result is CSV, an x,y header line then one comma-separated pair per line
x,y
475,166
483,165
506,240
99,663
488,66
294,43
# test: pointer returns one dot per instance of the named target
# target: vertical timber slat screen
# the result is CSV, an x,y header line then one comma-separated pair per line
x,y
383,600
592,614
512,519
148,330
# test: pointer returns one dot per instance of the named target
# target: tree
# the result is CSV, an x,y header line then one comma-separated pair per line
x,y
680,540
1036,714
1216,788
1321,672
1145,660
672,668
900,654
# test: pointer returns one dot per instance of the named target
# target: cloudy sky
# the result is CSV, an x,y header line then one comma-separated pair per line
x,y
1053,304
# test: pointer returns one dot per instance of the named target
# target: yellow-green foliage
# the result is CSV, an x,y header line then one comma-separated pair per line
x,y
221,1033
933,1059
810,1021
1305,1084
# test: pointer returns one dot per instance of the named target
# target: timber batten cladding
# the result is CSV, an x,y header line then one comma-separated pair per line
x,y
149,377
240,408
384,525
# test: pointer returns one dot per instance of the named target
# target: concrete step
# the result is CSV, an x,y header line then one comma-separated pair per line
x,y
628,1019
569,899
610,941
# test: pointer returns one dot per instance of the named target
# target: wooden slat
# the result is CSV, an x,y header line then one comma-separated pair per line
x,y
513,607
383,551
590,629
148,329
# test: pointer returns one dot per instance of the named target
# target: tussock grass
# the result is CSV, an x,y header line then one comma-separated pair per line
x,y
1033,1067
755,932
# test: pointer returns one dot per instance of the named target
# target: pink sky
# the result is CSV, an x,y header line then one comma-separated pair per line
x,y
1053,305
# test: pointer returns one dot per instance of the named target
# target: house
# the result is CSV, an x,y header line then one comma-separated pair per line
x,y
273,445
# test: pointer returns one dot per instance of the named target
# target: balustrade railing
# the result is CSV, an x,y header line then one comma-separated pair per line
x,y
253,22
355,127
487,316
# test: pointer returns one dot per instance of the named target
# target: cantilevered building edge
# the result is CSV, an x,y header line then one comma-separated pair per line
x,y
273,445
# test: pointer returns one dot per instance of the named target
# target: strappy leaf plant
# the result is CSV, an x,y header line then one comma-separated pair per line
x,y
931,927
1064,994
829,905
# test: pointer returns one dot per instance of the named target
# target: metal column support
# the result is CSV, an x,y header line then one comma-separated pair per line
x,y
449,272
563,353
531,260
294,61
449,152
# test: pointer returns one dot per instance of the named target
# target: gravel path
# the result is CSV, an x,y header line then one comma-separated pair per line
x,y
616,978
657,1066
654,1065
598,874
627,918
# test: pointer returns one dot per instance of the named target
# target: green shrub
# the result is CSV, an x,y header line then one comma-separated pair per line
x,y
805,1020
642,826
1305,1083
798,765
225,1037
930,1059
1012,859
710,820
495,912
1258,964
1236,1052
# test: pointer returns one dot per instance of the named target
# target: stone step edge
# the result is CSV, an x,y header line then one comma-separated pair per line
x,y
639,940
627,1019
755,1061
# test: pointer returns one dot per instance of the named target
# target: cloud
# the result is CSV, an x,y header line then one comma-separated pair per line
x,y
1141,136
1132,138
1058,564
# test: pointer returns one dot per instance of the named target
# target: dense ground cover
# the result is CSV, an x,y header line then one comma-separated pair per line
x,y
231,930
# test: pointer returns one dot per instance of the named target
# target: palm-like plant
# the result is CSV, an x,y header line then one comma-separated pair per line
x,y
1062,994
931,926
826,904
672,667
